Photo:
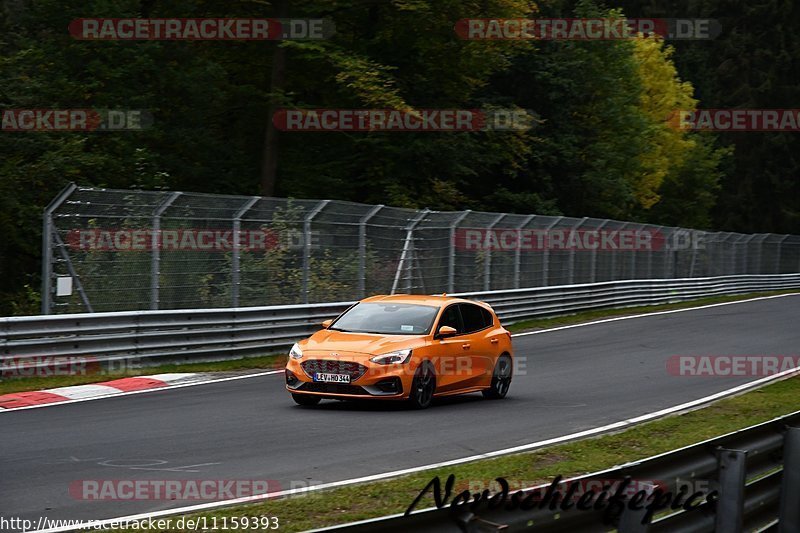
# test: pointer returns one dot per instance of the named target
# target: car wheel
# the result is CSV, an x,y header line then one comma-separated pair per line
x,y
305,399
501,379
423,386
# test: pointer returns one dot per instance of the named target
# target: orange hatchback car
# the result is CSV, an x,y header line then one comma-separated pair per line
x,y
403,347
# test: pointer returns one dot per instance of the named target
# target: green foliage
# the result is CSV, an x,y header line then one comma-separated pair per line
x,y
600,149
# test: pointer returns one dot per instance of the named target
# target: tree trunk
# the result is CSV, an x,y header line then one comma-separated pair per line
x,y
269,157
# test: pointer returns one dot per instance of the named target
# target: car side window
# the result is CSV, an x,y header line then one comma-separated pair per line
x,y
452,318
474,319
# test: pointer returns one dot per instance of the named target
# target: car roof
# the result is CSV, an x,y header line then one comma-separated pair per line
x,y
421,299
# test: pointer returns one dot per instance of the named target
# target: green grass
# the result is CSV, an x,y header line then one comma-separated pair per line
x,y
376,499
277,361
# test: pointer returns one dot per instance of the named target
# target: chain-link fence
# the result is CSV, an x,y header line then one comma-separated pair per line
x,y
115,250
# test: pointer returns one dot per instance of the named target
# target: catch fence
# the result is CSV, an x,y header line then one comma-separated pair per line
x,y
122,250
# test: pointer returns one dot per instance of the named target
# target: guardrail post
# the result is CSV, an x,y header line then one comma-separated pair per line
x,y
155,252
237,245
546,256
730,507
451,260
789,513
47,246
487,258
362,249
518,251
307,245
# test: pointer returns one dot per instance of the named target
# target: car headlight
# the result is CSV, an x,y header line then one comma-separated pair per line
x,y
392,358
295,352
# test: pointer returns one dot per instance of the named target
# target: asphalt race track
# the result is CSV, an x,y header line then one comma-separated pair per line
x,y
576,379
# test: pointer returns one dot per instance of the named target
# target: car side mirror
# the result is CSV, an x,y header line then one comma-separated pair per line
x,y
327,323
447,331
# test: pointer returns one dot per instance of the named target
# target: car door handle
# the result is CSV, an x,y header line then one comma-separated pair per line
x,y
465,346
494,341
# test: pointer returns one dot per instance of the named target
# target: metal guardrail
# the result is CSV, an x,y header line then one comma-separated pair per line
x,y
755,471
152,337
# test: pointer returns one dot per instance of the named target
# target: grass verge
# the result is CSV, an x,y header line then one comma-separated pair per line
x,y
382,498
267,362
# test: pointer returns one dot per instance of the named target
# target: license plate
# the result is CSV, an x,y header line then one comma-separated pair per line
x,y
331,378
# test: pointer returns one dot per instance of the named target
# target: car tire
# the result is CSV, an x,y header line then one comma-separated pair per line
x,y
423,386
501,378
305,400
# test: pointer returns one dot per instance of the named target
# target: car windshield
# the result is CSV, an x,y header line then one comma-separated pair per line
x,y
387,318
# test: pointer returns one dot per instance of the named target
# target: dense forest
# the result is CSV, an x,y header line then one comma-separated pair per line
x,y
601,146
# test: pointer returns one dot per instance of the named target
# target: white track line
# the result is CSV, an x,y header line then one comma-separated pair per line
x,y
616,426
271,372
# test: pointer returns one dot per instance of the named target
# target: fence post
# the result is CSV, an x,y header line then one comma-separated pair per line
x,y
487,259
518,251
634,252
451,260
406,247
593,258
778,258
614,276
693,244
237,244
155,245
362,249
72,272
656,232
571,267
47,246
546,256
730,507
761,253
789,513
307,245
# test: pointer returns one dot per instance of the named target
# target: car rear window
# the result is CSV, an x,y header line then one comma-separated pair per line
x,y
387,319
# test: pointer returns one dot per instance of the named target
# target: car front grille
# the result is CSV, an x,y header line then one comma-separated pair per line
x,y
334,388
350,368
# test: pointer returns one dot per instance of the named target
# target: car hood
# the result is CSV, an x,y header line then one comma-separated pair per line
x,y
328,341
